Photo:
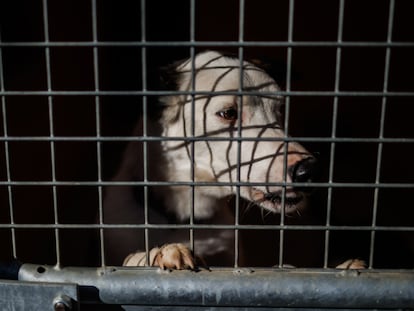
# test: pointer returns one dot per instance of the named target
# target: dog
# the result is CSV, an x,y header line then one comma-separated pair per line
x,y
223,125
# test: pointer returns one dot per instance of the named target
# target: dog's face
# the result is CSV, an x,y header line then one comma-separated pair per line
x,y
239,137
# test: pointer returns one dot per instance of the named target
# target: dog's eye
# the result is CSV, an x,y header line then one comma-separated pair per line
x,y
228,114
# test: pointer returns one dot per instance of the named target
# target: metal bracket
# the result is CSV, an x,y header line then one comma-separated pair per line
x,y
38,296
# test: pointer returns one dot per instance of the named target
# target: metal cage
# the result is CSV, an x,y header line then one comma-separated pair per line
x,y
70,93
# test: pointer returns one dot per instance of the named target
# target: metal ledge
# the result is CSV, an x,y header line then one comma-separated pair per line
x,y
285,288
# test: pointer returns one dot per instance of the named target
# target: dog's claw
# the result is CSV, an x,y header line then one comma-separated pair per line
x,y
174,256
169,256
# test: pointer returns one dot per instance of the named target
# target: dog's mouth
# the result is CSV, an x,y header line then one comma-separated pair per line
x,y
289,200
275,201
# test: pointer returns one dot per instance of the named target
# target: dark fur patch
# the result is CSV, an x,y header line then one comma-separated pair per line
x,y
169,76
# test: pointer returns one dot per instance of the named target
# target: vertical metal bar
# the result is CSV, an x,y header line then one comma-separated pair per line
x,y
145,126
51,129
333,130
239,131
192,145
381,131
286,129
7,156
98,128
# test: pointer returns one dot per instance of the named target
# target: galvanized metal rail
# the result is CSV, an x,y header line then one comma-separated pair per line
x,y
232,289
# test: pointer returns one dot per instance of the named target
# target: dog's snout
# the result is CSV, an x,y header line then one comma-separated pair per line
x,y
303,170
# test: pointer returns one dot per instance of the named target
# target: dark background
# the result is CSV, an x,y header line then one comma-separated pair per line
x,y
313,68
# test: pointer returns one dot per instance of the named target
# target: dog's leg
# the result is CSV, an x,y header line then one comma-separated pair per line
x,y
352,264
139,259
169,256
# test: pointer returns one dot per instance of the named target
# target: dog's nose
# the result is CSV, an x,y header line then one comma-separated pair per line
x,y
304,170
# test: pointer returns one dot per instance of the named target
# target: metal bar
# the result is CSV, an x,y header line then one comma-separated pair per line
x,y
235,287
333,130
7,156
286,129
373,44
208,138
381,132
206,184
210,226
98,127
51,129
193,103
239,132
209,93
145,127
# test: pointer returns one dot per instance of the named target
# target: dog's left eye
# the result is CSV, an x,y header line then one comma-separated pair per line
x,y
228,114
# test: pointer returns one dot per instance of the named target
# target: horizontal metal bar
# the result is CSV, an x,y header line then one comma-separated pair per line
x,y
326,288
204,138
209,184
209,227
209,93
204,308
377,44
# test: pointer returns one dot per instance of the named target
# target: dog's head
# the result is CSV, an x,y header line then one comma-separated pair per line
x,y
233,116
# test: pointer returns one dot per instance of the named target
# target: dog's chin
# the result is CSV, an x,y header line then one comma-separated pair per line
x,y
274,202
290,205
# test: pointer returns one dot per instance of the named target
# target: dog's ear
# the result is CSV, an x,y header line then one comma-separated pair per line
x,y
171,106
170,81
170,75
277,69
168,78
260,63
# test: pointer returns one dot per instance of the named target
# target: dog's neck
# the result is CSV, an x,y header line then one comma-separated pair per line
x,y
180,200
173,165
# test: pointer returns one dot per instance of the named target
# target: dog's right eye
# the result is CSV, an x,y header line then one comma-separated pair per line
x,y
229,114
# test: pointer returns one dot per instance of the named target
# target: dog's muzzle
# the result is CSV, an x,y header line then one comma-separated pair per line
x,y
293,198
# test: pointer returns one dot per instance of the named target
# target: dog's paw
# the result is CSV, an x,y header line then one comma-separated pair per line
x,y
174,256
352,264
169,256
139,259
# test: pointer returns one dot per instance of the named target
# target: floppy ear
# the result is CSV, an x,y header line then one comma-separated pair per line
x,y
277,69
170,75
170,81
169,78
170,108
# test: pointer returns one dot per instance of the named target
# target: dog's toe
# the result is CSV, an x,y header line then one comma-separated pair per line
x,y
352,264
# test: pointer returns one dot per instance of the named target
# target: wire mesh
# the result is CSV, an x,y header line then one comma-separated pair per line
x,y
192,45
